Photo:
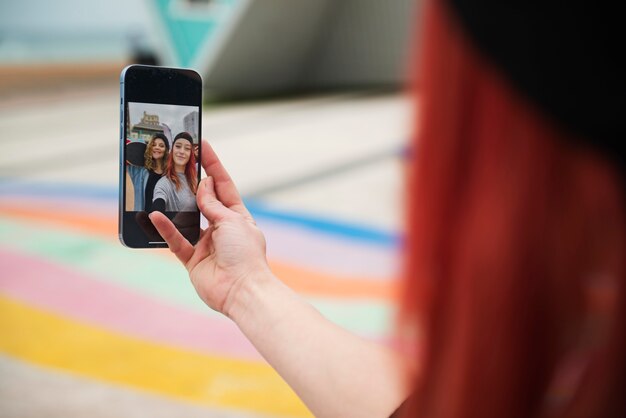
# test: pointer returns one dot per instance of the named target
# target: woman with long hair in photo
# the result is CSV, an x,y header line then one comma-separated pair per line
x,y
144,177
176,190
514,288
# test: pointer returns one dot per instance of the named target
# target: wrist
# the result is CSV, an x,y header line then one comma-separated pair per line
x,y
246,293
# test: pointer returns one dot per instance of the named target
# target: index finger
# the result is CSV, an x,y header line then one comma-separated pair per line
x,y
175,240
225,189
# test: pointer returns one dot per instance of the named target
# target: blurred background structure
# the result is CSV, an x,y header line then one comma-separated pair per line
x,y
242,48
88,327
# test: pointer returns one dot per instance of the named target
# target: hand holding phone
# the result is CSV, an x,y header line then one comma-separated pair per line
x,y
160,128
232,249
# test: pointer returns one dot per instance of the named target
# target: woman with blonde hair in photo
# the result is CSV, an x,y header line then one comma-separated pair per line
x,y
145,176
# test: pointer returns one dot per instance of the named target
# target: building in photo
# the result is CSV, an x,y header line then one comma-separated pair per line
x,y
146,128
190,124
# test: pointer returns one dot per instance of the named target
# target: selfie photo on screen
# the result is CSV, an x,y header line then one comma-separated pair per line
x,y
161,169
161,166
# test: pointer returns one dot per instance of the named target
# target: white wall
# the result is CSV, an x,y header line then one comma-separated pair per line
x,y
366,42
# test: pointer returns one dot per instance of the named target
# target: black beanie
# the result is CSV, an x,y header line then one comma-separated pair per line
x,y
564,57
183,135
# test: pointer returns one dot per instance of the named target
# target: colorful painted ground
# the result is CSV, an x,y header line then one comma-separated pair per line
x,y
90,328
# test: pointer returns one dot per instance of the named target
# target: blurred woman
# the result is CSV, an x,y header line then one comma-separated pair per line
x,y
176,190
516,245
146,176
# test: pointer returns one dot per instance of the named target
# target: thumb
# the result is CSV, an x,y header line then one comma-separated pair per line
x,y
208,203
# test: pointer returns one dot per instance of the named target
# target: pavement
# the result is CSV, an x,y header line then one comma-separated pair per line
x,y
90,328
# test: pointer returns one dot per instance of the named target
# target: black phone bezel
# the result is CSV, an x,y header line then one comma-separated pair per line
x,y
160,85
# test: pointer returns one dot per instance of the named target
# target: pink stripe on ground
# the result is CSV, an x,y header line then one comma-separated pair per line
x,y
68,293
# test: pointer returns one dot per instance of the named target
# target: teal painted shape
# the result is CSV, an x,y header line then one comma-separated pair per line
x,y
189,32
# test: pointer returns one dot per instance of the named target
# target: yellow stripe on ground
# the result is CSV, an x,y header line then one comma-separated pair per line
x,y
50,340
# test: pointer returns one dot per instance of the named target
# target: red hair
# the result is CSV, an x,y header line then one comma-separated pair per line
x,y
515,267
191,172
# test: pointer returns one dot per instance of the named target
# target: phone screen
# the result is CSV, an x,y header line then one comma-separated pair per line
x,y
159,153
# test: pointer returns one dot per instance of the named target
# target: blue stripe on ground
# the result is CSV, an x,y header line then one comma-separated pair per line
x,y
328,226
57,190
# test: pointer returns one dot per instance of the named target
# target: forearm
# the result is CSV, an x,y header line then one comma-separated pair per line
x,y
334,372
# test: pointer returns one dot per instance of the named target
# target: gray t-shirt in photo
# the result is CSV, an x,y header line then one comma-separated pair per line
x,y
182,200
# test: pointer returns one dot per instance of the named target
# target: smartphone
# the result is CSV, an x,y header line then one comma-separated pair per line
x,y
160,146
